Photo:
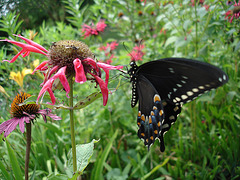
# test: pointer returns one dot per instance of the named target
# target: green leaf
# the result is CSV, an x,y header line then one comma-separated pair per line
x,y
88,100
4,171
14,163
171,40
57,177
84,153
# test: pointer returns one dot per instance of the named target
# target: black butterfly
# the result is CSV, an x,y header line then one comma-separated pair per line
x,y
162,86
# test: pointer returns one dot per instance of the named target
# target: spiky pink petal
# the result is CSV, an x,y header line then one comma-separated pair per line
x,y
61,75
32,43
40,66
25,51
92,63
103,88
80,76
47,87
106,68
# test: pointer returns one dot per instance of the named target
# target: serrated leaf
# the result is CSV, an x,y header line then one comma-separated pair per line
x,y
84,153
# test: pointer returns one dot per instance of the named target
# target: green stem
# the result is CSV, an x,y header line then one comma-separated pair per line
x,y
72,126
28,148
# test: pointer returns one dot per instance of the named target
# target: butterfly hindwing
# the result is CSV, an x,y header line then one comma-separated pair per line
x,y
150,115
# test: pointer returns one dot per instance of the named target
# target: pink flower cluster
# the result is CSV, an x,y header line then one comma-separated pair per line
x,y
233,13
137,53
81,67
93,30
108,51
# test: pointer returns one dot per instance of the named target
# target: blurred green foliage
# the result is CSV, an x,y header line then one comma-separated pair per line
x,y
203,143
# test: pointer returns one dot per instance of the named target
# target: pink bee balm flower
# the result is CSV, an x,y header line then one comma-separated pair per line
x,y
109,47
24,114
68,59
93,30
100,26
137,53
88,31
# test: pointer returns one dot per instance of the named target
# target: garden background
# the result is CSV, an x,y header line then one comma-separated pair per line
x,y
204,141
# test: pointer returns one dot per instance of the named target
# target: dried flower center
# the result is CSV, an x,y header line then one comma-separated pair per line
x,y
63,53
17,111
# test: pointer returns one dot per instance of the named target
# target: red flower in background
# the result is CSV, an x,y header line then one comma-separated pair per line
x,y
108,50
66,59
137,53
93,30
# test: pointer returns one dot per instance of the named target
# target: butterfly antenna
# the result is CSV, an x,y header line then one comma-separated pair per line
x,y
125,47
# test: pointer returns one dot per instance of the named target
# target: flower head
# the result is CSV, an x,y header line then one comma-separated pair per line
x,y
137,53
108,51
93,30
23,113
68,59
233,13
100,26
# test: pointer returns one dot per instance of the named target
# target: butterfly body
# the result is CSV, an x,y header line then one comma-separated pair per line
x,y
162,86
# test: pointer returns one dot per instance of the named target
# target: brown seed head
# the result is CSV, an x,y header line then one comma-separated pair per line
x,y
63,53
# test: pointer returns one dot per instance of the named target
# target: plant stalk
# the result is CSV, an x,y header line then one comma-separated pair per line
x,y
72,126
28,148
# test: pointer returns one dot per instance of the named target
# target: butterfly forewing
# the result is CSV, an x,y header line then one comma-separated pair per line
x,y
182,80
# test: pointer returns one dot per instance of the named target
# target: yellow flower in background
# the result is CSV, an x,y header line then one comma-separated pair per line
x,y
2,90
32,34
36,63
18,77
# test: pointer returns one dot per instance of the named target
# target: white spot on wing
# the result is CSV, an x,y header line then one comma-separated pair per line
x,y
195,90
184,97
224,77
189,93
178,99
